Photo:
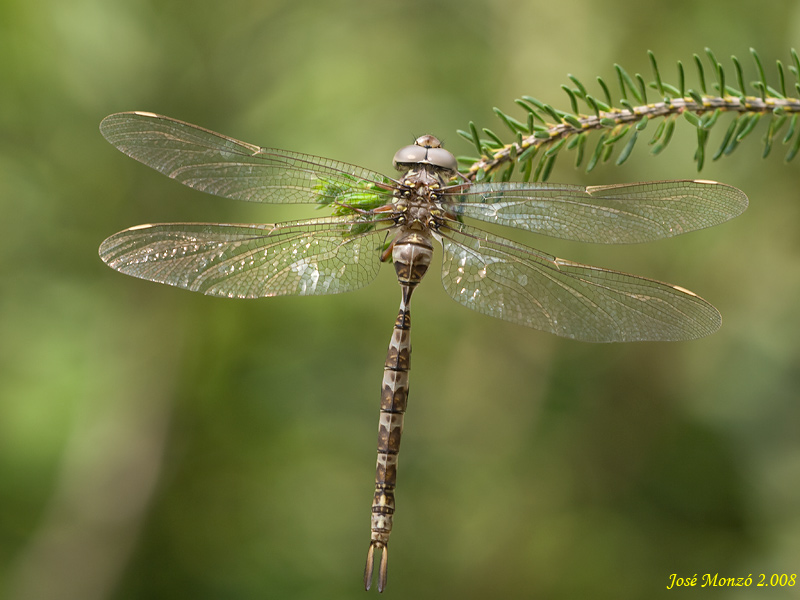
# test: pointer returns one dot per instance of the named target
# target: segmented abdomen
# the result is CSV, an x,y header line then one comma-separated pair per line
x,y
411,254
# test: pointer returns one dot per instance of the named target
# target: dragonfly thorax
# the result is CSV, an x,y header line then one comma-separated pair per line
x,y
417,199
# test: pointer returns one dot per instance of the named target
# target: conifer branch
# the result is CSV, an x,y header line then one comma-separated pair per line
x,y
546,131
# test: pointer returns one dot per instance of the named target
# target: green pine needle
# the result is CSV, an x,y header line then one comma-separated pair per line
x,y
624,113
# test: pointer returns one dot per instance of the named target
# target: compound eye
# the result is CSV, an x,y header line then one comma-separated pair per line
x,y
410,155
439,157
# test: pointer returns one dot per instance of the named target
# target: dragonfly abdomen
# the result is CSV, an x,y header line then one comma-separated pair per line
x,y
411,253
394,399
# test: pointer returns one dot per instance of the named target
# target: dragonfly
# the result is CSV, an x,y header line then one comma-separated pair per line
x,y
376,219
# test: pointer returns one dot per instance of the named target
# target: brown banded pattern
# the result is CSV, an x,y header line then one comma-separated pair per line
x,y
412,255
342,252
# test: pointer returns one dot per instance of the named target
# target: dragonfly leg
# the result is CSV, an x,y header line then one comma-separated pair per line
x,y
388,252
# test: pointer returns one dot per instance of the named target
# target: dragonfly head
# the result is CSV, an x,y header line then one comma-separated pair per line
x,y
427,150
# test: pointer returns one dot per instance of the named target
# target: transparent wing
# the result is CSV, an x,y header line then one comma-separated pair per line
x,y
321,256
216,164
608,214
500,278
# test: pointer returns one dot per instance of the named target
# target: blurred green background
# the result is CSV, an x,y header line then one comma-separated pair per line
x,y
161,444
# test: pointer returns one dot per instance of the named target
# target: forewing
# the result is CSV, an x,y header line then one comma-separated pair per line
x,y
608,214
302,258
216,164
510,281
